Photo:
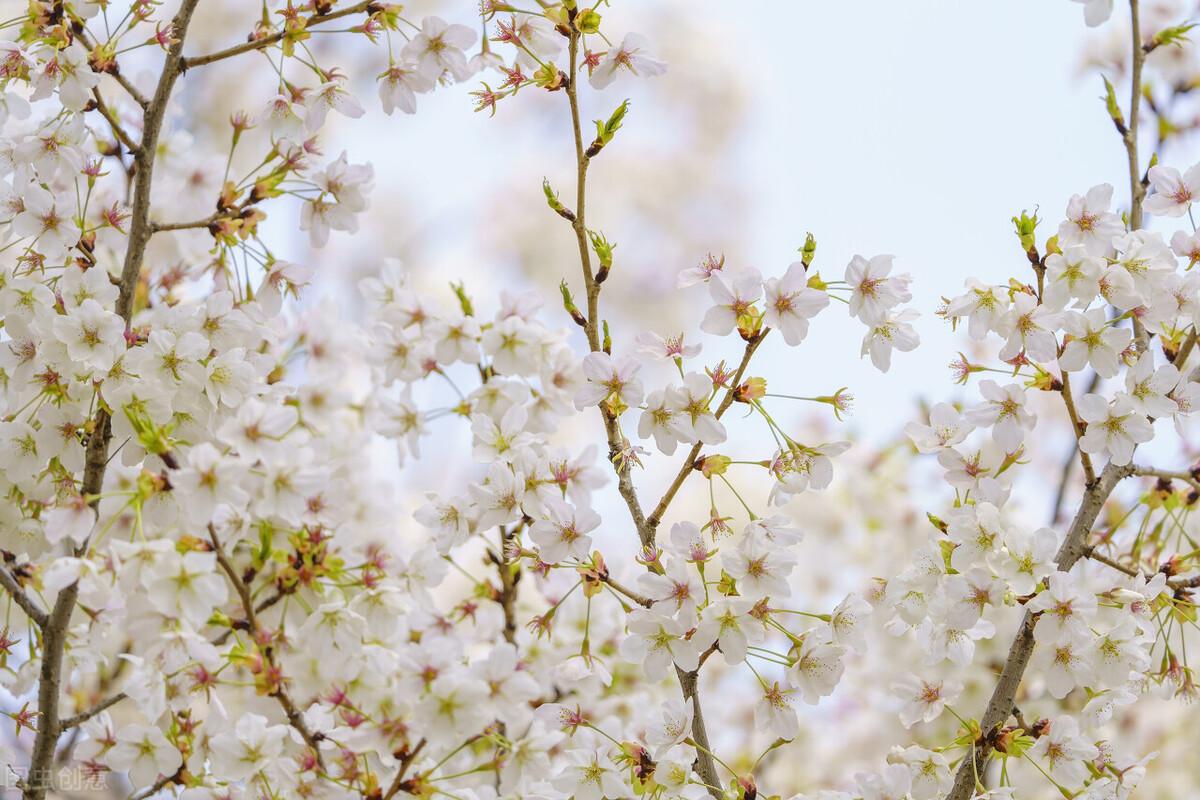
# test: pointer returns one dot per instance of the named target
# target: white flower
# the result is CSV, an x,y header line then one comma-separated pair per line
x,y
874,293
1063,751
1093,341
439,47
1073,274
1030,327
946,642
984,307
656,642
1096,12
671,348
946,428
607,378
1028,558
145,753
501,440
893,331
1089,222
228,378
1004,412
248,749
1148,389
1114,428
332,628
678,590
817,669
671,727
399,86
760,570
187,585
733,294
728,623
564,534
1067,606
630,57
790,303
923,700
1173,193
663,419
801,468
774,713
590,775
692,400
329,96
847,623
455,706
94,336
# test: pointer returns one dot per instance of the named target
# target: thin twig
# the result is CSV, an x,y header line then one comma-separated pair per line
x,y
294,717
159,227
22,598
267,41
705,764
102,706
1089,472
116,75
685,468
114,123
405,762
1167,475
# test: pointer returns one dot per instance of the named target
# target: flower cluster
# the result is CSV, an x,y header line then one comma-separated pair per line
x,y
1089,615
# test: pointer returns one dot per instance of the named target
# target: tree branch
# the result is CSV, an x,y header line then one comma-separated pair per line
x,y
22,598
705,764
685,468
56,628
116,75
294,717
114,123
1167,475
1000,706
267,41
84,716
1089,472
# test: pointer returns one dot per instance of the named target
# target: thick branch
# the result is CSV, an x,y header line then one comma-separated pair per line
x,y
1000,706
57,624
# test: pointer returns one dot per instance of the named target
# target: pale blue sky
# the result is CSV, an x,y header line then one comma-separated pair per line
x,y
915,128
